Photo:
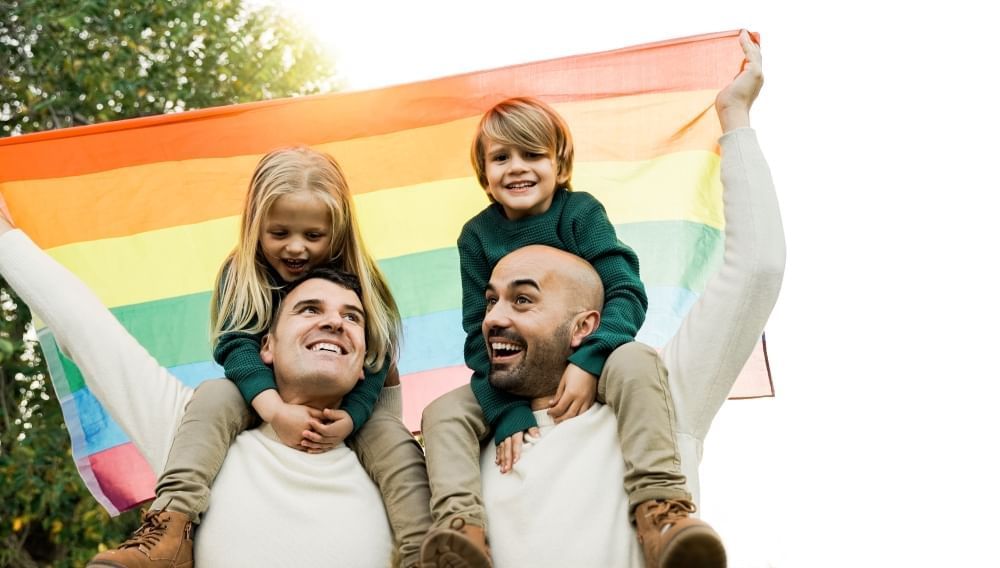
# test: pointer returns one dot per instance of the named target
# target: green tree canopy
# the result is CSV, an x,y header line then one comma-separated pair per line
x,y
65,63
84,61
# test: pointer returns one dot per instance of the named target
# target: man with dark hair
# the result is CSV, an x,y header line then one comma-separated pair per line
x,y
271,505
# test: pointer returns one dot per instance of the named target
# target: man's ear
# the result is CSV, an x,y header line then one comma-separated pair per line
x,y
584,324
266,351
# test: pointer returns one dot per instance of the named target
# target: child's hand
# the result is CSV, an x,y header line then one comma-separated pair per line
x,y
576,393
292,421
733,102
509,451
325,435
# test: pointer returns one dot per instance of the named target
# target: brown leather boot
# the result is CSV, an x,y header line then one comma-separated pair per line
x,y
162,541
671,538
460,546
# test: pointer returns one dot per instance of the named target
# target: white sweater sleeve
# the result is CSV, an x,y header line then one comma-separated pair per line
x,y
722,328
140,395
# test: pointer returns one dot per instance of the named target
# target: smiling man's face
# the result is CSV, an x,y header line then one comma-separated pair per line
x,y
317,345
528,324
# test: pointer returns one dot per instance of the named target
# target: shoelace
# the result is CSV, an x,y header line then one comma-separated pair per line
x,y
667,512
149,533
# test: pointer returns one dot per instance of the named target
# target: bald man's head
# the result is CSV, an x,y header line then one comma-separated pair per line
x,y
541,303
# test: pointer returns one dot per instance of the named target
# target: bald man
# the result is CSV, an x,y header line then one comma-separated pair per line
x,y
563,503
567,486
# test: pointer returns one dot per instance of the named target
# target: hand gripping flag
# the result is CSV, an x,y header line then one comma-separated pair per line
x,y
145,210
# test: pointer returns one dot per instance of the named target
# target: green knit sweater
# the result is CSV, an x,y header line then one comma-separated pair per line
x,y
576,223
239,354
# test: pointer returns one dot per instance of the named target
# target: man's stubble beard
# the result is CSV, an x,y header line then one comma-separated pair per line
x,y
538,374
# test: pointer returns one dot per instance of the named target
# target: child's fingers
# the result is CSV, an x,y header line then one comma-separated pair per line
x,y
571,411
516,447
533,432
319,450
310,445
505,455
560,390
334,414
562,405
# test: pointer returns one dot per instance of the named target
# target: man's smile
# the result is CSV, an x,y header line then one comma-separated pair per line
x,y
505,346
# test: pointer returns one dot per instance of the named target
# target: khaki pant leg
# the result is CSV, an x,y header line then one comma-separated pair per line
x,y
454,428
634,385
214,416
394,460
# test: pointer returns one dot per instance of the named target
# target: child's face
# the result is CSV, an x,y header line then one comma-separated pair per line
x,y
520,180
295,235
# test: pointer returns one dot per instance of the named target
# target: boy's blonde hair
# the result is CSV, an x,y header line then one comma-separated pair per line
x,y
526,123
242,299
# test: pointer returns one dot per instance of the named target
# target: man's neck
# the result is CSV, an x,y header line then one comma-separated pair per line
x,y
317,402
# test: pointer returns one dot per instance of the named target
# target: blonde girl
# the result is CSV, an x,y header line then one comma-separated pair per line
x,y
298,215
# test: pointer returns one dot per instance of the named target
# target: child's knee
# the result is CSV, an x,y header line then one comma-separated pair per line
x,y
218,399
451,406
634,363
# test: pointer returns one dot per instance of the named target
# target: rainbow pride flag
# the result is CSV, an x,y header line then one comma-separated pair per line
x,y
145,210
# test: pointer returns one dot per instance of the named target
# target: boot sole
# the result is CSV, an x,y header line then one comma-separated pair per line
x,y
695,547
447,549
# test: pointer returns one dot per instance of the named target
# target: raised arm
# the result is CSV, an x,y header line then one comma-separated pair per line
x,y
715,340
140,395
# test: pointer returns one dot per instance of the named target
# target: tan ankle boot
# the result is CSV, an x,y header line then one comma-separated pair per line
x,y
162,541
459,546
671,538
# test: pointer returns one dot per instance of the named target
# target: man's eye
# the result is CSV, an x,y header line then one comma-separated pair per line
x,y
522,300
490,302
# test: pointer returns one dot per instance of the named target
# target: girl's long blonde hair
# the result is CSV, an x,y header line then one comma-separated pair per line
x,y
243,292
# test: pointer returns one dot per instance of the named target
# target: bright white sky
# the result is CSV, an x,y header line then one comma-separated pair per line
x,y
879,120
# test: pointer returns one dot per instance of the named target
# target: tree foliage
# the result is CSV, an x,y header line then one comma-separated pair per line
x,y
65,63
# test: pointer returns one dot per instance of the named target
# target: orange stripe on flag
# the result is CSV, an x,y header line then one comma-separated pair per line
x,y
116,203
691,64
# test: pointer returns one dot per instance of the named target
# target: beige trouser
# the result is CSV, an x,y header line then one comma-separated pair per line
x,y
384,446
633,384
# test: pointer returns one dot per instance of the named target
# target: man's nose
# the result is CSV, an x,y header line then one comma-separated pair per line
x,y
498,316
332,321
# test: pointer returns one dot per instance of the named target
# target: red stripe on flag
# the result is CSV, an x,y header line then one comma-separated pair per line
x,y
124,476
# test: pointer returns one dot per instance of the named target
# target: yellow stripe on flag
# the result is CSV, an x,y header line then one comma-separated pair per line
x,y
184,260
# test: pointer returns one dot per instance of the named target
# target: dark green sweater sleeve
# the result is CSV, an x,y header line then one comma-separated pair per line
x,y
505,413
239,354
625,301
360,402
